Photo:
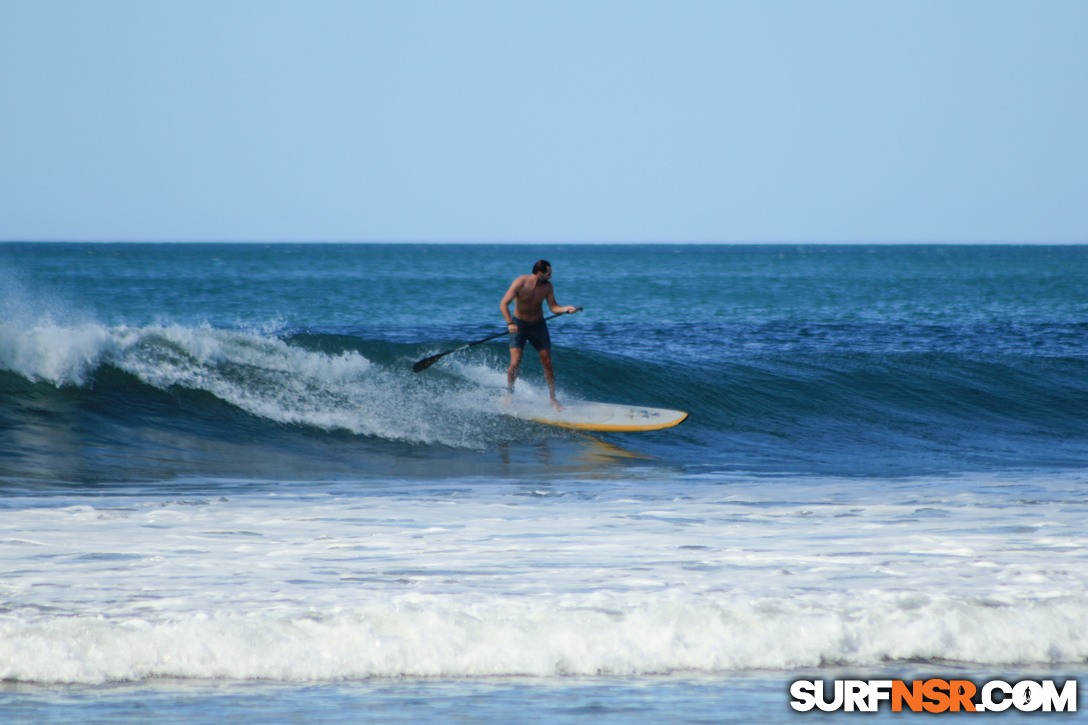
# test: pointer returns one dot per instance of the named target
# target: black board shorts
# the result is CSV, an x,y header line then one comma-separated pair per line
x,y
535,333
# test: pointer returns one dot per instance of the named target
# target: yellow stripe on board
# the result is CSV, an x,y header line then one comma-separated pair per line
x,y
604,428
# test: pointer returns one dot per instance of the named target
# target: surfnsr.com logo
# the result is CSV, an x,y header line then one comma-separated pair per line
x,y
935,696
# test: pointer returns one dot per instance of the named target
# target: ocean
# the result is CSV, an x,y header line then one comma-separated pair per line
x,y
225,495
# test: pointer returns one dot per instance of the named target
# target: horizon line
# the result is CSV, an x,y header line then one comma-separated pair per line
x,y
556,243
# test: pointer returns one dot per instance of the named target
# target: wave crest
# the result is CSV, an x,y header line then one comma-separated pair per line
x,y
262,375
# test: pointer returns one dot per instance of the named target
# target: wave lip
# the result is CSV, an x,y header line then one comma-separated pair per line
x,y
62,355
261,375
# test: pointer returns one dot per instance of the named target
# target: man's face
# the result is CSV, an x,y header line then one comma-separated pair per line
x,y
545,275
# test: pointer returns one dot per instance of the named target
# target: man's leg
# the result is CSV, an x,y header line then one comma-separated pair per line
x,y
512,371
549,375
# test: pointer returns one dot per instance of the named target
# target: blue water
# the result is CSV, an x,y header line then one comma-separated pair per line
x,y
223,485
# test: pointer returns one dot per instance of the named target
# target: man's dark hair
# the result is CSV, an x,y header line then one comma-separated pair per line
x,y
541,266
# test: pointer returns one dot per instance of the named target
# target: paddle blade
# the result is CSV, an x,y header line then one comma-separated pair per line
x,y
426,363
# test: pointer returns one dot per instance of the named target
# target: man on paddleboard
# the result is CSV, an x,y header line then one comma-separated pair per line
x,y
528,292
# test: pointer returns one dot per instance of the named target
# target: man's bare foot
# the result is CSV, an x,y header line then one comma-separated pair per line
x,y
557,406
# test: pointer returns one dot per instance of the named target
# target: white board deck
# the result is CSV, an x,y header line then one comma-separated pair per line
x,y
596,416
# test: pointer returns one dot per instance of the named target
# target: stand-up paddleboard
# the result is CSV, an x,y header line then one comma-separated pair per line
x,y
603,417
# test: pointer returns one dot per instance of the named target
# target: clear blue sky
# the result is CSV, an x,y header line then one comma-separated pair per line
x,y
544,121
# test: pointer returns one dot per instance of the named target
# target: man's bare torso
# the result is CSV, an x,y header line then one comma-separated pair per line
x,y
529,296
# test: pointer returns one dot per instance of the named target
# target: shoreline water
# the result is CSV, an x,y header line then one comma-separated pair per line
x,y
729,698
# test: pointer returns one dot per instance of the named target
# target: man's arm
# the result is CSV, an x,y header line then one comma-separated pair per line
x,y
507,298
554,306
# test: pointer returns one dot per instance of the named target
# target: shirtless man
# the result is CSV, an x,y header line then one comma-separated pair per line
x,y
528,292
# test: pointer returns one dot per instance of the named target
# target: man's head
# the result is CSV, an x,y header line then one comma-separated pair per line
x,y
542,269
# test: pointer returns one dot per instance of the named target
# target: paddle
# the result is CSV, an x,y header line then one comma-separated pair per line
x,y
429,361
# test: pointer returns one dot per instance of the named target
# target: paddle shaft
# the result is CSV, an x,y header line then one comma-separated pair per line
x,y
429,361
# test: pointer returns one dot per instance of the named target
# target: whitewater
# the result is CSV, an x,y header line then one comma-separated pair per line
x,y
572,579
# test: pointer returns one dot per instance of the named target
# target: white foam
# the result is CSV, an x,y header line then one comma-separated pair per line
x,y
55,353
447,636
637,581
262,375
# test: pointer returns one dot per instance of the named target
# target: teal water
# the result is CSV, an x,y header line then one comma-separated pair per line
x,y
838,360
224,489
